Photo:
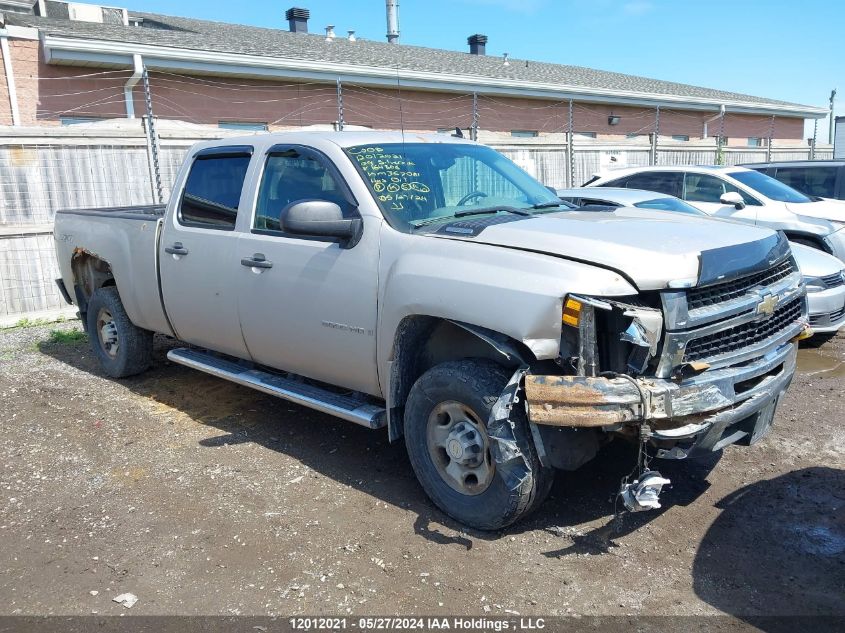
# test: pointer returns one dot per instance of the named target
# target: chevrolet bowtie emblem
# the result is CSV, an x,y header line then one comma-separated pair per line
x,y
767,305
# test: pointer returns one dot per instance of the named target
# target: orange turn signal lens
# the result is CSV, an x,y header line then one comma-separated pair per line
x,y
572,312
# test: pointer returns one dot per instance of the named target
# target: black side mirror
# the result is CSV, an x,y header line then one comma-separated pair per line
x,y
320,218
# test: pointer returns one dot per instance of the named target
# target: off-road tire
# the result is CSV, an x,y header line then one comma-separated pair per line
x,y
135,349
477,384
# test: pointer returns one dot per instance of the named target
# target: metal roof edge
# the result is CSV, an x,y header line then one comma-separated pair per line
x,y
59,48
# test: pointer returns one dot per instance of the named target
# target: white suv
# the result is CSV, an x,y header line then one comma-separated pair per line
x,y
742,194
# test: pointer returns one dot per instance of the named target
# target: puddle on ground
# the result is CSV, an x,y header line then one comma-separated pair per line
x,y
813,363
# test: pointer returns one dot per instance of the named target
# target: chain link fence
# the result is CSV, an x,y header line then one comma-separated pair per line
x,y
85,168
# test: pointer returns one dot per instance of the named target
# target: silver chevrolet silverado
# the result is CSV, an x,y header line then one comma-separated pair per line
x,y
427,284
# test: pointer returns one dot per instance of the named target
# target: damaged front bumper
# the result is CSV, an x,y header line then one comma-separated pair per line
x,y
703,413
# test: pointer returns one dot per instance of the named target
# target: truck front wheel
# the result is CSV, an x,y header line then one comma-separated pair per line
x,y
122,348
452,454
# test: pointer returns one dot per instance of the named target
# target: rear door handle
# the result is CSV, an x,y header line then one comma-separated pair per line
x,y
256,261
176,249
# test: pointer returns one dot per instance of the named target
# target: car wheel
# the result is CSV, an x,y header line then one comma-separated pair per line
x,y
453,455
122,348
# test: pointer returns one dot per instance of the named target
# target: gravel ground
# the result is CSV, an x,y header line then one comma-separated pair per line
x,y
203,497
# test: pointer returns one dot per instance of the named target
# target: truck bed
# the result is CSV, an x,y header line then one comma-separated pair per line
x,y
126,238
133,212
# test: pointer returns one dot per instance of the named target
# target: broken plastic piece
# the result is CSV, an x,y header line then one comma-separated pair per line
x,y
643,493
128,600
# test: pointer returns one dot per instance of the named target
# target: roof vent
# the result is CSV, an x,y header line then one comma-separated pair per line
x,y
351,37
330,33
297,19
477,44
505,61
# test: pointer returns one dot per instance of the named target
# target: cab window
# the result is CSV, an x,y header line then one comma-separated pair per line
x,y
291,176
213,191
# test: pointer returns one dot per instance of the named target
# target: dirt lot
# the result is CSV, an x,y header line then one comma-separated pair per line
x,y
202,497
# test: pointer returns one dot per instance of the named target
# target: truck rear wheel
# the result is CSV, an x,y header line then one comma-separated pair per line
x,y
122,348
453,456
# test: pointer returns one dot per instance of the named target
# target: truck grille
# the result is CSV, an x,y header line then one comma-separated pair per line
x,y
719,293
745,335
833,281
826,318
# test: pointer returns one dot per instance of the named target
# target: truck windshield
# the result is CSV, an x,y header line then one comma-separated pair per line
x,y
769,187
418,184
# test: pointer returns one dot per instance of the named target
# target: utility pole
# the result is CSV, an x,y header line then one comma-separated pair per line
x,y
830,129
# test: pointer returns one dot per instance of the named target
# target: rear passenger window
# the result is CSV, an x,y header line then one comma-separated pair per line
x,y
213,191
813,181
291,176
668,182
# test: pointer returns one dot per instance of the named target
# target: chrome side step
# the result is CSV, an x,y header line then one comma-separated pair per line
x,y
339,405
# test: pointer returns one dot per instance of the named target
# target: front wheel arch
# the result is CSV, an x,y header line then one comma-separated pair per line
x,y
422,341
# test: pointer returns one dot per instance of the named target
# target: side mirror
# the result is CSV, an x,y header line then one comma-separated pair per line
x,y
733,198
320,218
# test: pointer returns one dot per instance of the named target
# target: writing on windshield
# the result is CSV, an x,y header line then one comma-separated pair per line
x,y
395,178
420,184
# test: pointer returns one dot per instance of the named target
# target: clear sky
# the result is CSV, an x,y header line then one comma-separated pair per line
x,y
781,49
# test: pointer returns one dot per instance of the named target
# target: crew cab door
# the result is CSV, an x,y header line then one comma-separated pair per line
x,y
308,304
199,263
704,191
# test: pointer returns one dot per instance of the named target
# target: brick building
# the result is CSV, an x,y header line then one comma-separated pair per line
x,y
66,63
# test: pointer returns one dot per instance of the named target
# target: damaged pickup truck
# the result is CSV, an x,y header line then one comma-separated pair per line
x,y
426,284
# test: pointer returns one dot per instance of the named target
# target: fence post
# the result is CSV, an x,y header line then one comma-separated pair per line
x,y
152,143
769,141
813,142
473,130
570,149
654,141
339,106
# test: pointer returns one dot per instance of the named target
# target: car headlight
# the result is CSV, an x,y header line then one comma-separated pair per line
x,y
815,284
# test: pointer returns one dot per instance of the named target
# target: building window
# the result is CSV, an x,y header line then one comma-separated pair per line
x,y
79,120
756,141
680,137
584,134
246,126
525,133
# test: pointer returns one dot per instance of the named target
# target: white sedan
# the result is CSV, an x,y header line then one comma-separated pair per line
x,y
823,273
745,195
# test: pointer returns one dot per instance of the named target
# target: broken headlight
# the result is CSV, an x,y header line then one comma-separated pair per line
x,y
616,335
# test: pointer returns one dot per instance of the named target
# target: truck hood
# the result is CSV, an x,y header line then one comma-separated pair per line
x,y
650,248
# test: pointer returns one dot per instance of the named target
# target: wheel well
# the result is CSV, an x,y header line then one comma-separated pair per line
x,y
808,240
421,342
89,274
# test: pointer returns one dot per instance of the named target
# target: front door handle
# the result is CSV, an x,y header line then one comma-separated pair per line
x,y
256,261
176,249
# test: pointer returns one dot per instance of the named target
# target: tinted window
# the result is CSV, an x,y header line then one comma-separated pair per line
x,y
213,191
769,187
669,204
707,188
814,181
422,184
668,182
290,176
